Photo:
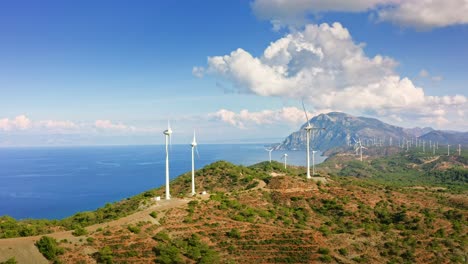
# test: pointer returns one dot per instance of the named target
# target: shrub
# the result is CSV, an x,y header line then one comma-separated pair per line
x,y
324,251
234,233
49,247
79,231
104,255
154,214
134,229
343,251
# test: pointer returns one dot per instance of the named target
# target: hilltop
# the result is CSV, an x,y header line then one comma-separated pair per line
x,y
265,213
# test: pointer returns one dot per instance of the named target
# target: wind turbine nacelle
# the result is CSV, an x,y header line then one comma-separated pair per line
x,y
167,132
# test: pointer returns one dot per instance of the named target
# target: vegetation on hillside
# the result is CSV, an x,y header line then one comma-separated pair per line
x,y
403,208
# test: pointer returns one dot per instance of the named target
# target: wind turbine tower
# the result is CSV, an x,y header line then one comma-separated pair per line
x,y
269,152
308,130
285,157
459,149
360,147
448,150
167,134
194,147
313,161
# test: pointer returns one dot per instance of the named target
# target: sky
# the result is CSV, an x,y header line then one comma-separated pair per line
x,y
114,72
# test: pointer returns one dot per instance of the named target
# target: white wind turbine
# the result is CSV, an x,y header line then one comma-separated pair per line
x,y
448,150
269,152
167,134
285,158
360,147
313,161
308,130
194,148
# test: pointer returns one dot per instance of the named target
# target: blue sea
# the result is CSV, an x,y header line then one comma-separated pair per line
x,y
57,182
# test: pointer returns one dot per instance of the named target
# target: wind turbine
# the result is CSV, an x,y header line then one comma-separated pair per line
x,y
285,157
167,134
269,152
194,148
308,129
459,149
313,161
360,147
448,150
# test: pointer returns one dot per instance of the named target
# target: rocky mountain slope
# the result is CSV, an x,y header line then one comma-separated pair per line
x,y
341,128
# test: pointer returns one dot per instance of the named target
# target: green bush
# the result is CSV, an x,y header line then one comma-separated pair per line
x,y
234,233
104,255
79,231
48,247
134,229
154,214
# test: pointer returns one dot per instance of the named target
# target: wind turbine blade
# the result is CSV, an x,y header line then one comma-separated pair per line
x,y
198,154
305,112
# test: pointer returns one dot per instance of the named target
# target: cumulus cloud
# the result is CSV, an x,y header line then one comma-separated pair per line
x,y
323,65
420,14
286,115
20,122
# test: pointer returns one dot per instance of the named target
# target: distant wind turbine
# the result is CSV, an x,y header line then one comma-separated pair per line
x,y
360,147
285,158
269,152
194,148
167,134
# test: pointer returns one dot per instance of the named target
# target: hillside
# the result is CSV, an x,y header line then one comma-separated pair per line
x,y
265,213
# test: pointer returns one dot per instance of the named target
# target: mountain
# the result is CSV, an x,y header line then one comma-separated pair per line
x,y
340,129
447,137
417,131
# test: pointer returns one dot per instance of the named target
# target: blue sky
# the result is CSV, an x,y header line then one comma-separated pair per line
x,y
113,72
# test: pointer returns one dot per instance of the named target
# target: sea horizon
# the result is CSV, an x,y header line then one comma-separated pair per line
x,y
55,182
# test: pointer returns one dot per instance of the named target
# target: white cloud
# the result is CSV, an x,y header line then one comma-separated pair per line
x,y
323,65
426,14
420,14
198,71
54,124
109,125
244,119
20,122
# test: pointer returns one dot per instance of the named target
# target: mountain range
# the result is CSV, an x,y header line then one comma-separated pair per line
x,y
340,129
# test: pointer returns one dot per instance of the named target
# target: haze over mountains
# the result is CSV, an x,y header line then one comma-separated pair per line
x,y
341,129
